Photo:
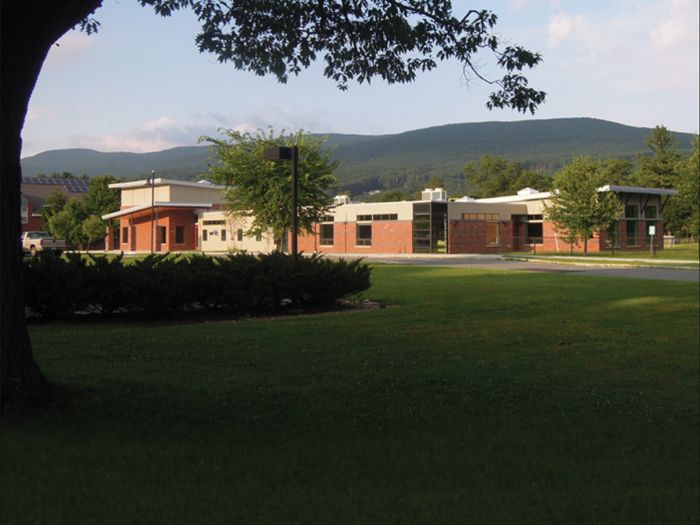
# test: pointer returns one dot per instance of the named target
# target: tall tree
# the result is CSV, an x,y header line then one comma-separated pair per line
x,y
53,204
576,207
357,40
261,189
689,188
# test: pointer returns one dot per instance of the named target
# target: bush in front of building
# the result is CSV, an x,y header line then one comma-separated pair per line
x,y
159,284
54,284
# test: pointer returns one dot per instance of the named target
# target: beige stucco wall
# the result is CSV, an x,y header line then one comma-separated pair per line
x,y
139,196
232,224
171,193
191,194
349,212
506,211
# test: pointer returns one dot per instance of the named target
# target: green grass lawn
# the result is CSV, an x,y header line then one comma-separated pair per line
x,y
474,397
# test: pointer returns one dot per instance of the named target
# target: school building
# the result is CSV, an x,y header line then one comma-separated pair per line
x,y
168,215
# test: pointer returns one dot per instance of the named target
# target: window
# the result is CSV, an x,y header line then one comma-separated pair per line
x,y
492,238
213,223
632,211
326,235
179,235
364,235
161,234
534,233
125,235
385,217
223,234
632,233
204,235
481,216
258,237
361,218
650,212
239,235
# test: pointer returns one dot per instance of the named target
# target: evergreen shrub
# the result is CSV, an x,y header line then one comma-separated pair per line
x,y
161,284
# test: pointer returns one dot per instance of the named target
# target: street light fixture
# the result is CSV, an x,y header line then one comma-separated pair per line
x,y
288,153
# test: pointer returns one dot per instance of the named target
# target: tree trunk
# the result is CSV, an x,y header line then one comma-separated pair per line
x,y
585,245
29,29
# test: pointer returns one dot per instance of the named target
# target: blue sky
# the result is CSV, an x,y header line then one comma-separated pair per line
x,y
141,85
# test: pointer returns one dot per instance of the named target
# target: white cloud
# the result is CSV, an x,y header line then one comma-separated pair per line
x,y
563,25
678,27
166,132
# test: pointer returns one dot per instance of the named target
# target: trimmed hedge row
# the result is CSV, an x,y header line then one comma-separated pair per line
x,y
161,284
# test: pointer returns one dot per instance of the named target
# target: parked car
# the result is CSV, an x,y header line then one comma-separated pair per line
x,y
37,241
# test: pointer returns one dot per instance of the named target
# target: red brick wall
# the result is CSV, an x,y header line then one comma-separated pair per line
x,y
554,241
470,237
387,237
140,227
34,223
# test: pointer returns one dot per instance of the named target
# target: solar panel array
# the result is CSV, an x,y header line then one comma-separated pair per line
x,y
72,185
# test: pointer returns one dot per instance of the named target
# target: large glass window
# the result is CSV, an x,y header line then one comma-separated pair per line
x,y
125,235
631,211
364,235
161,234
326,235
421,228
223,235
205,235
534,233
650,212
239,235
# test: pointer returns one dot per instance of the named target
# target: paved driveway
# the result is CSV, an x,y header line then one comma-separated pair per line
x,y
496,263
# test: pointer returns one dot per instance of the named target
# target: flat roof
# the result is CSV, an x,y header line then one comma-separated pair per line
x,y
637,189
518,198
145,183
142,207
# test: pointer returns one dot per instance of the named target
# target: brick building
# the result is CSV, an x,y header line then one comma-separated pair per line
x,y
36,190
171,215
494,225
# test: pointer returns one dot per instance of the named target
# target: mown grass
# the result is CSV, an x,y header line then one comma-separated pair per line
x,y
475,397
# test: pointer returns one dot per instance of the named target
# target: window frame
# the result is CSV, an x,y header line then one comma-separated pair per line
x,y
363,241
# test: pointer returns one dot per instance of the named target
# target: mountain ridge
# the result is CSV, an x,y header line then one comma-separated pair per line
x,y
397,160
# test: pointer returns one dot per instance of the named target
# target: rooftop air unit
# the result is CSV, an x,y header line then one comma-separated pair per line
x,y
433,194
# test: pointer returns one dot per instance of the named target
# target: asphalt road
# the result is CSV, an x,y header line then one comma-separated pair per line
x,y
492,263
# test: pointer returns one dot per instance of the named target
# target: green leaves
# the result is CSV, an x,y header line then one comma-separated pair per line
x,y
576,207
261,189
358,40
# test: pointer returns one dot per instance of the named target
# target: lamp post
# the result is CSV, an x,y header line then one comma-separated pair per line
x,y
153,203
286,153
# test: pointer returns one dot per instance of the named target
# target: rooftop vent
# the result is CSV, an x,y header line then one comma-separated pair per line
x,y
433,194
339,200
528,191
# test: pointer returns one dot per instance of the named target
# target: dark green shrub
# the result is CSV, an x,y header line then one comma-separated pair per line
x,y
157,284
160,284
106,286
53,284
204,283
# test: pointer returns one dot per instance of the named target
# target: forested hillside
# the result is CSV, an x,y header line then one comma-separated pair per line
x,y
402,161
